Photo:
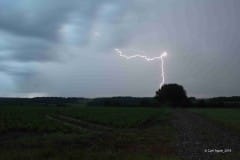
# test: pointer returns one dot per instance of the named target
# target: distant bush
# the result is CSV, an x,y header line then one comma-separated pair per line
x,y
173,94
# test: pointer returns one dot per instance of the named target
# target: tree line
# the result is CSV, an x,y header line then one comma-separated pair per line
x,y
168,95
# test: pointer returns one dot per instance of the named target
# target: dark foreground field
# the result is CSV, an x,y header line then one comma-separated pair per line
x,y
99,133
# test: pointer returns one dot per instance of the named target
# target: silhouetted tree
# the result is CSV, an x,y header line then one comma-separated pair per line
x,y
172,94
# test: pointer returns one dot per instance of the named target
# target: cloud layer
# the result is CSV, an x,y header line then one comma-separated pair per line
x,y
66,48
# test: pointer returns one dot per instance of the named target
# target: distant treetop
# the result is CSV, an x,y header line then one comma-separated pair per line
x,y
171,93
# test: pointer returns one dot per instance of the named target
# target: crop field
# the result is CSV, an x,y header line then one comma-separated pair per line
x,y
40,132
14,118
125,117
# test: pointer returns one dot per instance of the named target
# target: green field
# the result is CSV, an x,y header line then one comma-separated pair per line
x,y
36,132
28,118
125,117
39,132
228,117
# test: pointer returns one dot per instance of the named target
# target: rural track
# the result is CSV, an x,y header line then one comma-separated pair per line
x,y
94,127
198,137
79,124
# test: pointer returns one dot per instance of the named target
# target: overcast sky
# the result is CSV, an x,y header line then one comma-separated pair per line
x,y
66,48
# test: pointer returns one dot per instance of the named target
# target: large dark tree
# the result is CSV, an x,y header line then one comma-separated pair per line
x,y
172,93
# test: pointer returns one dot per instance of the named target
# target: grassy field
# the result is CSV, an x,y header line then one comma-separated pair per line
x,y
79,132
27,132
124,117
227,117
29,119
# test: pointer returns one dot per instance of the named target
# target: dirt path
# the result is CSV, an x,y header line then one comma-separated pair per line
x,y
201,139
79,124
90,126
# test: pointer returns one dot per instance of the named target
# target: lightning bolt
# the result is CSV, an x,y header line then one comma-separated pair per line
x,y
161,57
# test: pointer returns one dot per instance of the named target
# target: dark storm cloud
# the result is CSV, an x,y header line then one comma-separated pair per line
x,y
11,70
29,18
39,52
26,49
43,19
35,28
